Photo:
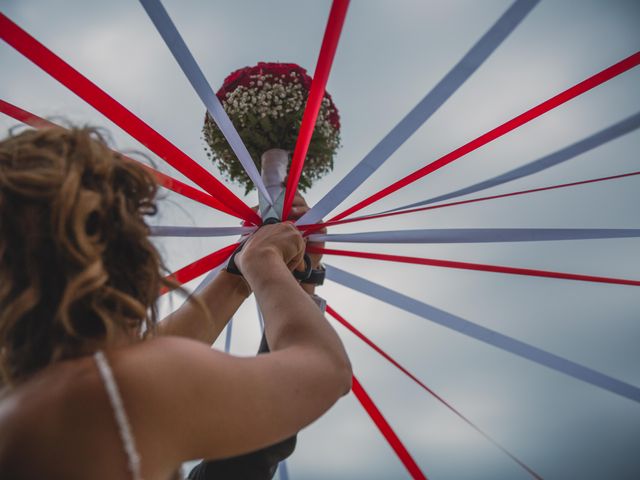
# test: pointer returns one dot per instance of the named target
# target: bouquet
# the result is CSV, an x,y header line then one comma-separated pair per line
x,y
265,104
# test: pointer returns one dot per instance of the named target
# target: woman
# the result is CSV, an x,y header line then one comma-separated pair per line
x,y
84,396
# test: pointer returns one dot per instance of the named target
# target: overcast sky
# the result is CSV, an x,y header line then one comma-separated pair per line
x,y
390,55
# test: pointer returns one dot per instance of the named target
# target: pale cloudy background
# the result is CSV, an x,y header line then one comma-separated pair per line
x,y
390,55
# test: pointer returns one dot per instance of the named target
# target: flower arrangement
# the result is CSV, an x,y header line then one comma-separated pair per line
x,y
265,103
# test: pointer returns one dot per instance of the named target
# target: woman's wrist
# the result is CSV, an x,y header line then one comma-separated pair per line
x,y
237,282
264,267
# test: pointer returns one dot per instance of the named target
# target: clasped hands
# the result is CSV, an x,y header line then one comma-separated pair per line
x,y
282,240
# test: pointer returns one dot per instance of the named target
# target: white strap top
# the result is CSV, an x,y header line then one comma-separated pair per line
x,y
124,427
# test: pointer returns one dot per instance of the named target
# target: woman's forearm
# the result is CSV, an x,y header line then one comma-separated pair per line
x,y
291,317
222,298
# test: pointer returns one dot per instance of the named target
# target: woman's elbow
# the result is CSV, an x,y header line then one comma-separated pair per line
x,y
348,380
343,375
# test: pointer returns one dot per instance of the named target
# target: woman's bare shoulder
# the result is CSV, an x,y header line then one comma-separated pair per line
x,y
61,417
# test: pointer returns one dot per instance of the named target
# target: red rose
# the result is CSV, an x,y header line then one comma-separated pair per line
x,y
281,71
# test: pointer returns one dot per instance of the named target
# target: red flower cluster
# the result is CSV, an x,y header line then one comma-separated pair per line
x,y
247,75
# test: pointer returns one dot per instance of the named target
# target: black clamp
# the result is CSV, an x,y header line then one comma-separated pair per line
x,y
316,277
303,276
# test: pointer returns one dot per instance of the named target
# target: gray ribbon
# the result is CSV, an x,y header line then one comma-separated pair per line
x,y
478,235
421,112
483,334
189,66
227,338
623,127
179,231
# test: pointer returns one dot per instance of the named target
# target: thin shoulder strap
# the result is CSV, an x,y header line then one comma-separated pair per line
x,y
121,416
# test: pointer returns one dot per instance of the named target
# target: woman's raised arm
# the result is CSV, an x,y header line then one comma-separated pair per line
x,y
218,405
221,297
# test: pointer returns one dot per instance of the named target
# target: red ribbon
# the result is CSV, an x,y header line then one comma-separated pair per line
x,y
544,107
311,228
200,267
321,75
386,430
473,266
117,113
185,190
388,357
25,117
164,180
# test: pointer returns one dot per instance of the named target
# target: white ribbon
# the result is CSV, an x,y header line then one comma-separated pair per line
x,y
486,335
421,112
478,235
189,66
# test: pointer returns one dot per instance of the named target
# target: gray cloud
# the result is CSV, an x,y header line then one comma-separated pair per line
x,y
390,55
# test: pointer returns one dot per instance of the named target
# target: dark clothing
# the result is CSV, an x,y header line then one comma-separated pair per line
x,y
259,465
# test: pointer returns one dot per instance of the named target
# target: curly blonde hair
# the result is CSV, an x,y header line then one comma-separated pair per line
x,y
76,262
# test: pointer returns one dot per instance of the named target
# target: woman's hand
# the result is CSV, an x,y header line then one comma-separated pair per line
x,y
282,240
298,209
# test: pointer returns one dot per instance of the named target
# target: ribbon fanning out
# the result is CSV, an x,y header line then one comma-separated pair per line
x,y
483,334
227,338
449,84
163,180
386,430
25,117
117,113
170,231
478,235
210,277
185,190
597,139
316,94
390,359
310,228
481,267
531,114
283,470
200,267
260,318
189,66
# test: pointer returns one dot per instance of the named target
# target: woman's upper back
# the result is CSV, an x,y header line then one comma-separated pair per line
x,y
59,424
183,399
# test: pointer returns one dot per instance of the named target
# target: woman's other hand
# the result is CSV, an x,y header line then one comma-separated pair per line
x,y
282,240
298,209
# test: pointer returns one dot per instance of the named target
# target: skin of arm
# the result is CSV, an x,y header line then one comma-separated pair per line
x,y
223,296
217,405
